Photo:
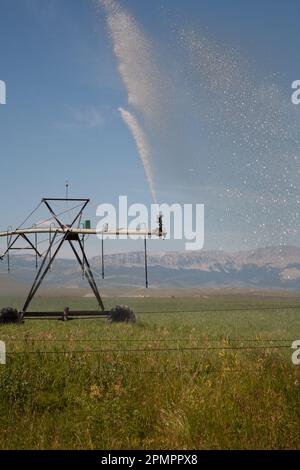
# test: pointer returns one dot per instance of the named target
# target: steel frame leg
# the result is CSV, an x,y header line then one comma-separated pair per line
x,y
42,272
84,263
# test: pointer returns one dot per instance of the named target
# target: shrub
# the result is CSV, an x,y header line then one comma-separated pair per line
x,y
121,313
10,315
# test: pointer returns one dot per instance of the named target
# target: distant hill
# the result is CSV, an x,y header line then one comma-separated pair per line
x,y
270,267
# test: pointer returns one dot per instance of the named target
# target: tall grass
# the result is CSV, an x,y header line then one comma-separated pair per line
x,y
86,384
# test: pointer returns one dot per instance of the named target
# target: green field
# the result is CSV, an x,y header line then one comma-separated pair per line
x,y
191,373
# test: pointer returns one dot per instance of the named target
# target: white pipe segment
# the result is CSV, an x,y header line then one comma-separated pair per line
x,y
80,231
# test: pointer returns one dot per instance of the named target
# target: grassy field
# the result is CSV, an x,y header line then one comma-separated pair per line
x,y
192,373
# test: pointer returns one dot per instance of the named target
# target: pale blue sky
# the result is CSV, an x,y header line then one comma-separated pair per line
x,y
61,120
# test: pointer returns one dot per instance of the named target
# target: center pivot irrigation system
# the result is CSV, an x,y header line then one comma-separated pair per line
x,y
73,233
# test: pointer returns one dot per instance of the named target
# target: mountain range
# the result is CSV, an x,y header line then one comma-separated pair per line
x,y
269,267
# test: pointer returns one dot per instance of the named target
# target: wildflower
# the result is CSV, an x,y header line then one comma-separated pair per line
x,y
95,392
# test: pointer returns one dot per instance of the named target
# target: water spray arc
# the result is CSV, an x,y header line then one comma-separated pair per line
x,y
136,65
143,147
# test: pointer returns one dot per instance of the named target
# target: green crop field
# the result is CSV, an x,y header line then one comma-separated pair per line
x,y
213,372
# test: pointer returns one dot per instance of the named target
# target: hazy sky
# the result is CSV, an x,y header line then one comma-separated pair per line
x,y
188,99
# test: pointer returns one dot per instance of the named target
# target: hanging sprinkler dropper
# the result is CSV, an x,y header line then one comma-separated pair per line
x,y
161,232
67,189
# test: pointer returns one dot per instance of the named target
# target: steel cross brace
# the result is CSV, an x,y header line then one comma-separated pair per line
x,y
12,243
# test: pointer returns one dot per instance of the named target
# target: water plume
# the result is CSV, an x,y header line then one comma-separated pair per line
x,y
137,61
216,126
143,147
140,72
256,130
